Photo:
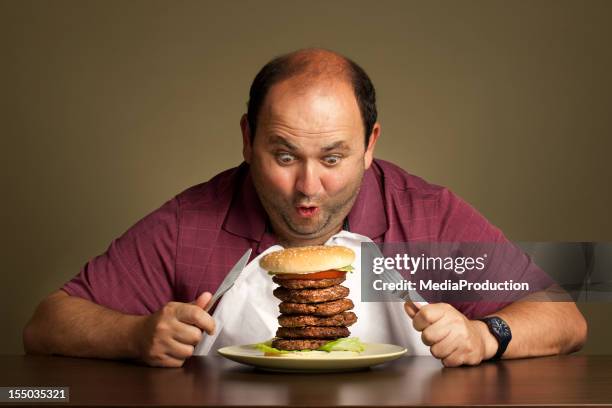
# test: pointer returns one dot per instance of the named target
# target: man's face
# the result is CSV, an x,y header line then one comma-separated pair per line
x,y
308,158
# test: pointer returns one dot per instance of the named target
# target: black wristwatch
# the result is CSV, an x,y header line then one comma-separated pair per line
x,y
500,329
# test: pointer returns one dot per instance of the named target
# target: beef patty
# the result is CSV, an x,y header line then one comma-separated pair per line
x,y
318,309
312,332
307,283
298,344
342,319
311,295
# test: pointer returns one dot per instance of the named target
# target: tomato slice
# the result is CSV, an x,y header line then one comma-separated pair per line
x,y
330,274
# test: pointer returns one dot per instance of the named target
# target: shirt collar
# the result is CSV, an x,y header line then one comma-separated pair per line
x,y
368,216
247,217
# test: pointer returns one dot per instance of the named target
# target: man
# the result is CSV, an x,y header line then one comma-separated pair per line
x,y
308,144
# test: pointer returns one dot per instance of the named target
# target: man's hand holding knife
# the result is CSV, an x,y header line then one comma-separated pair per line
x,y
170,335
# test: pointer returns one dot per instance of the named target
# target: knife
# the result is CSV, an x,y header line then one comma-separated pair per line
x,y
230,279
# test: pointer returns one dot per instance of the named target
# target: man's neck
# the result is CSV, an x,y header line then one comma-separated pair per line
x,y
289,243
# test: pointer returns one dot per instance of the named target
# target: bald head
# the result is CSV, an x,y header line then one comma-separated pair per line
x,y
315,64
313,67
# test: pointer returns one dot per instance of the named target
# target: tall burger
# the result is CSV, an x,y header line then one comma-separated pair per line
x,y
315,309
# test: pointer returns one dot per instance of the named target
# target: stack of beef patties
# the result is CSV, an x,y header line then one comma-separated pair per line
x,y
314,308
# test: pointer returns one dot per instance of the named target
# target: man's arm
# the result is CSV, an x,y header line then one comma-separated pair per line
x,y
541,329
538,329
68,325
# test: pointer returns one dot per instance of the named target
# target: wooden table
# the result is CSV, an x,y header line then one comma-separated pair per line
x,y
214,381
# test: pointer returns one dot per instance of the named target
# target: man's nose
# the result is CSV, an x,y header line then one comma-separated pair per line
x,y
308,181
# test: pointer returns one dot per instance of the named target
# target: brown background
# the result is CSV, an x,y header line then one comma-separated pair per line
x,y
109,108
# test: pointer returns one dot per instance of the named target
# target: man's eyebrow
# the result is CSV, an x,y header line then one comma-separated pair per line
x,y
275,139
340,144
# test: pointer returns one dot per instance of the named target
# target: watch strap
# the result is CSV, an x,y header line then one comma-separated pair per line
x,y
501,331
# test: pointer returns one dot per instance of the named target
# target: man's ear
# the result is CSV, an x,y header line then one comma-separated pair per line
x,y
247,149
369,154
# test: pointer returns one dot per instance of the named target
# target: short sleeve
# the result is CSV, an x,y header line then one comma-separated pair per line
x,y
461,223
136,273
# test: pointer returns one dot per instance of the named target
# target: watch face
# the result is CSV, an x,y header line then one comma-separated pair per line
x,y
502,333
500,327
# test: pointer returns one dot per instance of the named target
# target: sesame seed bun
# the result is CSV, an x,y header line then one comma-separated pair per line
x,y
307,259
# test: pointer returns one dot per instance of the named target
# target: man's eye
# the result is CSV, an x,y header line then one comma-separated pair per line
x,y
331,160
284,158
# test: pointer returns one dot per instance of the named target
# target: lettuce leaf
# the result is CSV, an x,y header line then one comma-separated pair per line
x,y
345,344
266,347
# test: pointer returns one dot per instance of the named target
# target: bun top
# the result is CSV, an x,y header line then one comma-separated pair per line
x,y
307,259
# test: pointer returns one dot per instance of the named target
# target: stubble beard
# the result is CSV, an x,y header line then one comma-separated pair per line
x,y
331,215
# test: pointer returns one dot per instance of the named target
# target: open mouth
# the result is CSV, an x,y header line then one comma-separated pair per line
x,y
307,212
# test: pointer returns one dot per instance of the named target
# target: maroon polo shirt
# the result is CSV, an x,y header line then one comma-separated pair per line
x,y
188,245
